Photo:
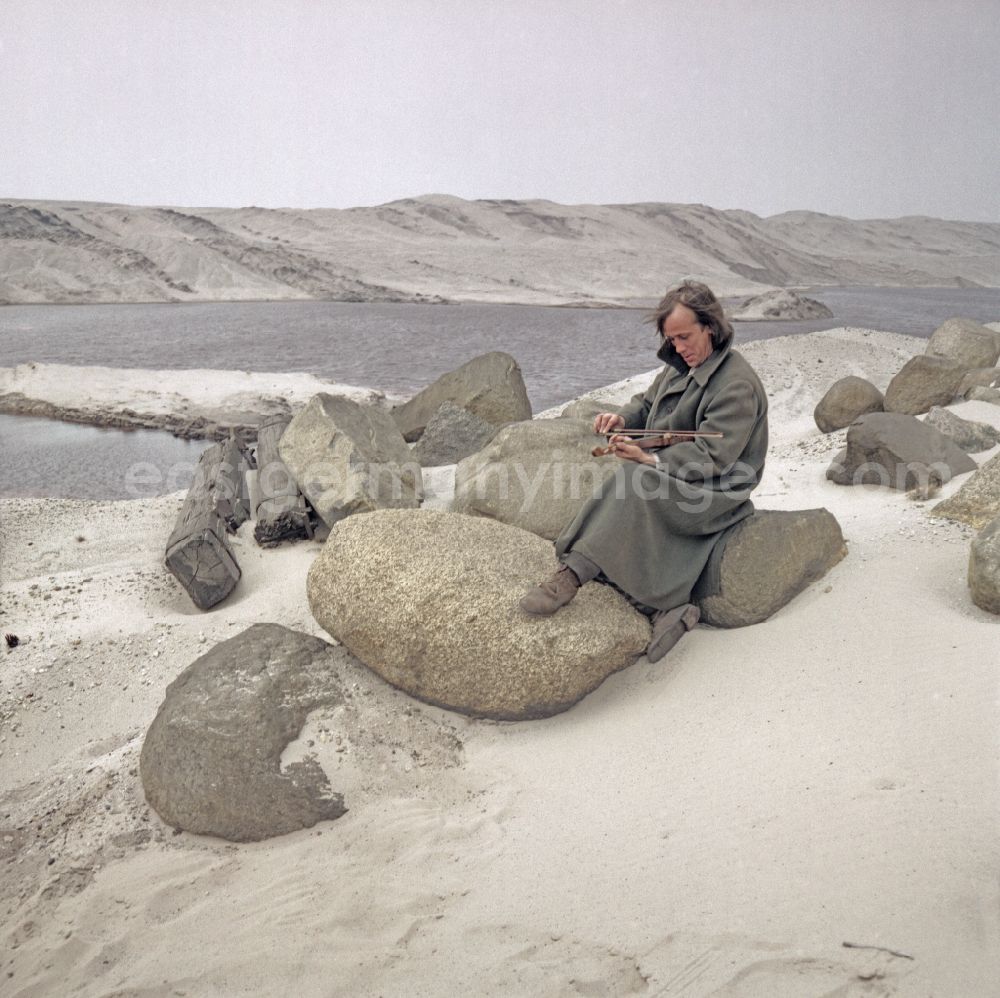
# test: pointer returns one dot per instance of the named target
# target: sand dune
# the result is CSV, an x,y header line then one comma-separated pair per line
x,y
719,823
439,247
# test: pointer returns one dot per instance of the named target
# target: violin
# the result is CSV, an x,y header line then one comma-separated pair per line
x,y
653,439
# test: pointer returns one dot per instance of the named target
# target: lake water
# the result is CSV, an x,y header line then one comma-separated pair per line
x,y
397,348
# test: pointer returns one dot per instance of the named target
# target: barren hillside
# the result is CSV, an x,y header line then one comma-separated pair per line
x,y
439,247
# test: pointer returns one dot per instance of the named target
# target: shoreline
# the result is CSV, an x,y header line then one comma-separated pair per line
x,y
630,304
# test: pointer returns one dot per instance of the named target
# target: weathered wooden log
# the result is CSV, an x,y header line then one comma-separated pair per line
x,y
281,511
198,553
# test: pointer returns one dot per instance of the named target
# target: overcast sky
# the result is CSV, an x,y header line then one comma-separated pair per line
x,y
868,109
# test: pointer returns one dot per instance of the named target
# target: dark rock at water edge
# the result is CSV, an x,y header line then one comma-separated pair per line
x,y
452,434
984,567
897,451
844,401
489,386
211,760
763,562
923,382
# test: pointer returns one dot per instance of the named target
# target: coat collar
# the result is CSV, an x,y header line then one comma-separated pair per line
x,y
704,370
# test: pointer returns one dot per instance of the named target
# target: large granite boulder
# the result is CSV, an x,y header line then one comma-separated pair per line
x,y
966,342
211,761
428,600
972,436
978,500
844,401
922,382
897,451
490,387
984,567
764,561
452,434
978,377
534,475
349,458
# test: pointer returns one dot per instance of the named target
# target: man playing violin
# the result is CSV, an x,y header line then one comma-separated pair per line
x,y
652,538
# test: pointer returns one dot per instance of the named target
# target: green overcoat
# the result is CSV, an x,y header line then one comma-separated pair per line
x,y
651,529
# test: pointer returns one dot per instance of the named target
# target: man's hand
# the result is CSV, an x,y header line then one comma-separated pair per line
x,y
605,422
628,450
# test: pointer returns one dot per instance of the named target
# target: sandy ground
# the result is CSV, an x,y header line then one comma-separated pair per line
x,y
720,823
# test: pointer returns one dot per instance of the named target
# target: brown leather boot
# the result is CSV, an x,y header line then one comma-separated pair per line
x,y
555,592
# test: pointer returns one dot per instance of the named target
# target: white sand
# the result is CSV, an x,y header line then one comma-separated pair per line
x,y
719,823
98,393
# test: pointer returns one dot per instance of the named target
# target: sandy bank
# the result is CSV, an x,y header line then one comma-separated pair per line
x,y
189,403
717,824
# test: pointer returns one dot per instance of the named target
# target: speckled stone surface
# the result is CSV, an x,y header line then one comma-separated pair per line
x,y
428,600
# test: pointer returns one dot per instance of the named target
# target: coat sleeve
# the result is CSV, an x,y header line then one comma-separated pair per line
x,y
637,410
734,411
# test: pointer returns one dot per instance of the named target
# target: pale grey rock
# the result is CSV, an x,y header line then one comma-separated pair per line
x,y
897,451
980,377
844,401
965,342
211,760
429,601
972,436
923,381
452,434
978,500
534,475
765,561
349,458
489,386
984,567
779,304
981,394
586,409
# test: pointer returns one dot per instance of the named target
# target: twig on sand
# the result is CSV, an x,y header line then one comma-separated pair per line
x,y
881,949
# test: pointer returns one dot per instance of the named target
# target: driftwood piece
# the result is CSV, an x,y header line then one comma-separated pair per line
x,y
198,553
281,512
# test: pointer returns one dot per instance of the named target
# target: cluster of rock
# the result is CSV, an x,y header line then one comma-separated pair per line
x,y
334,458
888,445
425,599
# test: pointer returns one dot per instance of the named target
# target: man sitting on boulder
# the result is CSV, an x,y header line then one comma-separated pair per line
x,y
650,532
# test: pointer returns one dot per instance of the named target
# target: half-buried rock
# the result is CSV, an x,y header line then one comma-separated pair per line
x,y
349,458
211,761
899,452
428,600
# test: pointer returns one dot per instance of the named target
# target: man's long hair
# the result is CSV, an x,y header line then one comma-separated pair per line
x,y
707,310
